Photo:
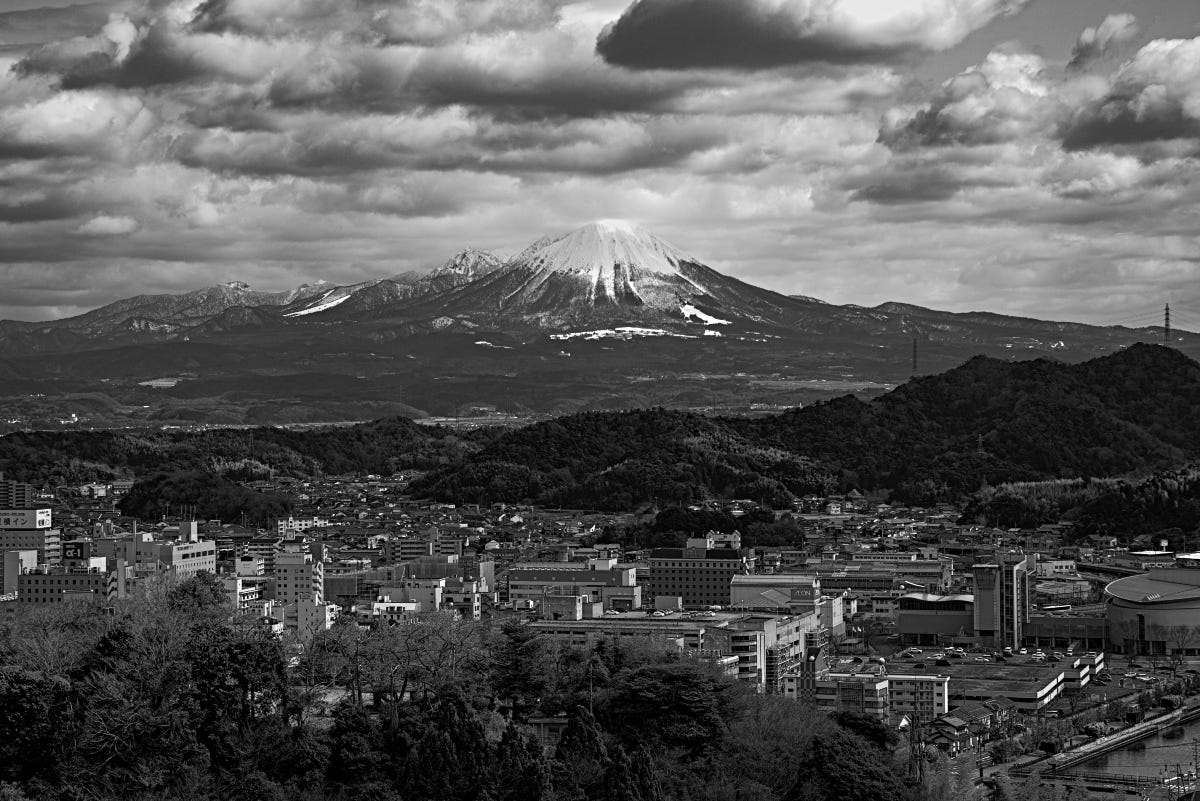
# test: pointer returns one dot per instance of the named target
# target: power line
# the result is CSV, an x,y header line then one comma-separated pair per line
x,y
1166,745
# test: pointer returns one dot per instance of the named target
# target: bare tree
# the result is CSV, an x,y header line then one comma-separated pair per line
x,y
1129,631
1179,637
1156,646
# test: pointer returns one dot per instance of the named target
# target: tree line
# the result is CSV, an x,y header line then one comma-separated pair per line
x,y
934,439
163,697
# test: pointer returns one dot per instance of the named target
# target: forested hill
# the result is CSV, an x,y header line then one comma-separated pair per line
x,y
383,446
1136,410
619,460
935,438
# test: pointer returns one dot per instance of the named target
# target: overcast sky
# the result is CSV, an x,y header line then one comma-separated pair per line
x,y
1034,157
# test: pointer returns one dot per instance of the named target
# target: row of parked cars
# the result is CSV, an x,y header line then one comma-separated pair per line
x,y
944,656
1037,655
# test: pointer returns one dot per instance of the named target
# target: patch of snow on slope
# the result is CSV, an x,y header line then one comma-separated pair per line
x,y
690,311
326,302
623,333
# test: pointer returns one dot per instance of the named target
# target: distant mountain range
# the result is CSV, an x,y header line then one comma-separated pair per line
x,y
607,316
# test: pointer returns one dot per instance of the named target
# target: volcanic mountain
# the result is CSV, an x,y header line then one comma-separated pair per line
x,y
605,316
608,273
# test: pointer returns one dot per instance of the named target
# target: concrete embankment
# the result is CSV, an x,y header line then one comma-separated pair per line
x,y
1138,731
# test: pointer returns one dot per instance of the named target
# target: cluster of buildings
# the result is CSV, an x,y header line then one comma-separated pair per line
x,y
805,620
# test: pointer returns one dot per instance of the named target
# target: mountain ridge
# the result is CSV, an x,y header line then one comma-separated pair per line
x,y
604,316
608,272
928,441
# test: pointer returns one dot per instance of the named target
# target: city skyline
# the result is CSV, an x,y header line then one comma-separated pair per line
x,y
1019,157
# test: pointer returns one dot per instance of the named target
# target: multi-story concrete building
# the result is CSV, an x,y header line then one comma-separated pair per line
x,y
245,594
57,584
249,566
879,577
289,527
787,591
298,578
30,529
82,576
1144,560
464,597
265,548
698,573
870,690
601,580
1001,603
300,589
16,563
1054,568
406,548
768,646
918,697
765,647
468,567
683,632
16,495
924,618
181,558
185,559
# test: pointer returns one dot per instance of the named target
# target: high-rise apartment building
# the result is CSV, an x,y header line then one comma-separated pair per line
x,y
15,495
1002,598
298,578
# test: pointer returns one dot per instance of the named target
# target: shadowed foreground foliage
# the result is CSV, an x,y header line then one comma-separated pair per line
x,y
161,698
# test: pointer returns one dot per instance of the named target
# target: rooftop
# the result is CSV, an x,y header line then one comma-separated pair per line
x,y
1161,586
936,598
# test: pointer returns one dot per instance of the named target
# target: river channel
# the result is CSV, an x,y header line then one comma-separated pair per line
x,y
1154,756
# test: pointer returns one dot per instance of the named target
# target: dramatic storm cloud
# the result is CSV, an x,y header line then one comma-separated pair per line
x,y
1154,97
1034,158
765,33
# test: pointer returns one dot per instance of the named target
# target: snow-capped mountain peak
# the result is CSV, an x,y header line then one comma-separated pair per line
x,y
603,250
462,268
605,275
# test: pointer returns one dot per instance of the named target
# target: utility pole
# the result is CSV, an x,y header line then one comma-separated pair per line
x,y
1167,323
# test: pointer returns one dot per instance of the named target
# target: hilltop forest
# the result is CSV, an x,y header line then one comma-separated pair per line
x,y
948,437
